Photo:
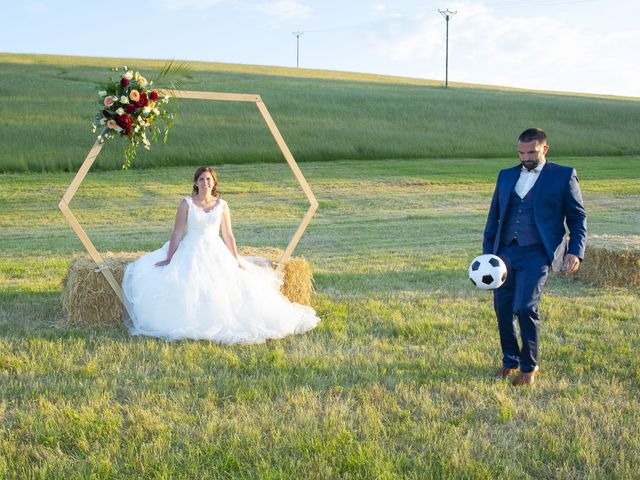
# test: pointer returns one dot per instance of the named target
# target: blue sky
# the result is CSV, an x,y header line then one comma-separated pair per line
x,y
567,45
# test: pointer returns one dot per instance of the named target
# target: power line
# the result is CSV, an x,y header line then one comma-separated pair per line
x,y
297,34
447,14
496,4
505,4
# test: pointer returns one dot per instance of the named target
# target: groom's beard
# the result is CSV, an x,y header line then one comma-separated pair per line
x,y
530,164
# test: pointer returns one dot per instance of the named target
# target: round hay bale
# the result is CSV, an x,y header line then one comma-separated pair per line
x,y
88,299
611,264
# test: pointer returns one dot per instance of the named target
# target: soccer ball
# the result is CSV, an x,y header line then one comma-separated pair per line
x,y
487,272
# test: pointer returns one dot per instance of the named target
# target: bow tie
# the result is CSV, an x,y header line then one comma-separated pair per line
x,y
533,170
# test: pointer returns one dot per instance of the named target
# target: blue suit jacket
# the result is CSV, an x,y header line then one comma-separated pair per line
x,y
557,202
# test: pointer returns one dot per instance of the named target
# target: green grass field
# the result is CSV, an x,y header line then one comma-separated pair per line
x,y
394,383
48,103
396,380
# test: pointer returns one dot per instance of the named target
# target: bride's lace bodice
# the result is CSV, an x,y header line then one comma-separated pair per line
x,y
201,222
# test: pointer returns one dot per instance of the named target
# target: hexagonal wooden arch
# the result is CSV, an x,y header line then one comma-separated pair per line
x,y
233,97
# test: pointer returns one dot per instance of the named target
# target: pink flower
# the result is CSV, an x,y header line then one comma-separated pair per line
x,y
108,101
113,125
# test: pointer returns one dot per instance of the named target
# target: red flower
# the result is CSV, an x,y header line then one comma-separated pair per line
x,y
153,96
130,108
124,121
124,81
143,100
128,132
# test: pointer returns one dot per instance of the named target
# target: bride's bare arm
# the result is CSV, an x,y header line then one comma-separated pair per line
x,y
227,233
178,230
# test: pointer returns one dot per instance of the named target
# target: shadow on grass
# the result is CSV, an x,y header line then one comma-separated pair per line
x,y
444,281
39,314
354,349
391,281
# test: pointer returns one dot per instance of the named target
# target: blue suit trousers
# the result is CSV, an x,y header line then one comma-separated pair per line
x,y
518,297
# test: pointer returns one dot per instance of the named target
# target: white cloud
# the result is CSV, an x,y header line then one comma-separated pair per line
x,y
285,10
539,52
423,41
379,8
198,5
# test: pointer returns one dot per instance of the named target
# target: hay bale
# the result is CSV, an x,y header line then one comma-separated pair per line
x,y
611,262
297,283
87,297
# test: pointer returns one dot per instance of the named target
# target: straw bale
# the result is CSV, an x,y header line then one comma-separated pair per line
x,y
611,266
297,283
87,297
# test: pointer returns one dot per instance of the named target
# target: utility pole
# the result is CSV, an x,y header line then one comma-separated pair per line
x,y
297,34
447,14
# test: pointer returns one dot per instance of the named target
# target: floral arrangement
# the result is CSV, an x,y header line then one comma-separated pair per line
x,y
130,107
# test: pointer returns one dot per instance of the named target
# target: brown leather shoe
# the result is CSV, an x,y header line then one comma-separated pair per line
x,y
526,379
505,372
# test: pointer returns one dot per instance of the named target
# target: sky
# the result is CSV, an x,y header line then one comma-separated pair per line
x,y
587,46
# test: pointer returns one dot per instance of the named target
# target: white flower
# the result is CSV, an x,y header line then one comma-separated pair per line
x,y
137,128
156,111
120,111
124,99
102,93
165,99
103,121
128,75
146,110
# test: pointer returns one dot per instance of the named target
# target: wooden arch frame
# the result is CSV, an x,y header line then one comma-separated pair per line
x,y
232,97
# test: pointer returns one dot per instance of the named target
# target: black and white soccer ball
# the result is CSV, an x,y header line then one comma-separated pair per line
x,y
487,272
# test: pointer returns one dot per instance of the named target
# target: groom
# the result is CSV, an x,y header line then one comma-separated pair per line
x,y
532,204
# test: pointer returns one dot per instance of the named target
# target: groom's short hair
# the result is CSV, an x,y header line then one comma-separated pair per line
x,y
531,134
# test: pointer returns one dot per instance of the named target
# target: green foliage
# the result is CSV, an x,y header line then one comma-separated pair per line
x,y
173,75
394,383
47,107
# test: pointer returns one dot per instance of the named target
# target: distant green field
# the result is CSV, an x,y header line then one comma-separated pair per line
x,y
47,104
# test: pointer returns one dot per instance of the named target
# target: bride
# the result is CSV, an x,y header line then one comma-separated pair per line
x,y
197,286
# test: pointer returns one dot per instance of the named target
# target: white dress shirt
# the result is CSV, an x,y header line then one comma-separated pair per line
x,y
528,179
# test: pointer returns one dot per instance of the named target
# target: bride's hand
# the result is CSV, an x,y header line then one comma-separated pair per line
x,y
163,263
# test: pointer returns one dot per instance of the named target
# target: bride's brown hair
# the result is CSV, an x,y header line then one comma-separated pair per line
x,y
200,171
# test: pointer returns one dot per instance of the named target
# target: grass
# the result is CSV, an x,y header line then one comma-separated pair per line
x,y
48,103
394,383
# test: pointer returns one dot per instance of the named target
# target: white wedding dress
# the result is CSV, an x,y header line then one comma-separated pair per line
x,y
203,294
